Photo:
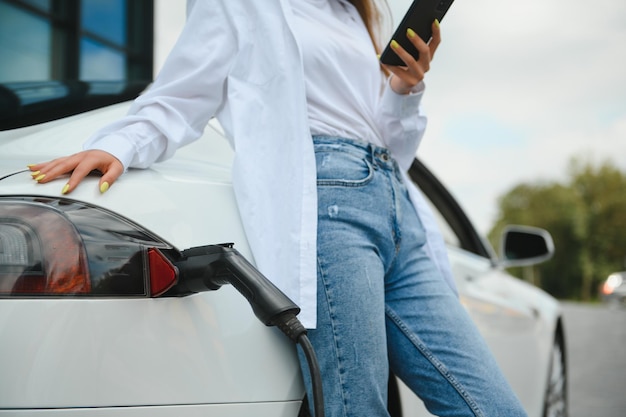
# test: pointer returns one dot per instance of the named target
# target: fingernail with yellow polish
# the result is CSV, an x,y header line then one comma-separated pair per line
x,y
104,187
30,165
34,174
65,189
410,33
41,177
394,44
437,22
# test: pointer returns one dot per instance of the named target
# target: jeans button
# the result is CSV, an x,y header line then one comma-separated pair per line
x,y
384,157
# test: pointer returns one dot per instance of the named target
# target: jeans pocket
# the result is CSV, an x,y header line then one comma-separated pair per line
x,y
339,168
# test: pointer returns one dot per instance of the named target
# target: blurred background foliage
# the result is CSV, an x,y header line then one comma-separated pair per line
x,y
586,216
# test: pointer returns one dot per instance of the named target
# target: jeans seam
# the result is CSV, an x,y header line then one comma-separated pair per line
x,y
340,369
441,368
395,227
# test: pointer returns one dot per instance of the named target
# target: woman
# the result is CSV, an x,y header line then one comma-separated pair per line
x,y
320,165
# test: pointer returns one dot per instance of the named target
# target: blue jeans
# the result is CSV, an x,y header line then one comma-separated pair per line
x,y
382,303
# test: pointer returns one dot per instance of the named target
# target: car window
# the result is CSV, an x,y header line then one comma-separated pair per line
x,y
449,236
456,227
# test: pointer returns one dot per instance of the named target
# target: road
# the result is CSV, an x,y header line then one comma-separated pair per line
x,y
596,338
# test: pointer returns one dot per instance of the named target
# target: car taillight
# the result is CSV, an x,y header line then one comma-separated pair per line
x,y
60,247
611,283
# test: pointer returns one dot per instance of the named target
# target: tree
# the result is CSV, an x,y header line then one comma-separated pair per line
x,y
553,207
602,193
586,217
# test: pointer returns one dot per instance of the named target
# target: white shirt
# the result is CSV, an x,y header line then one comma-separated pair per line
x,y
342,74
239,61
343,77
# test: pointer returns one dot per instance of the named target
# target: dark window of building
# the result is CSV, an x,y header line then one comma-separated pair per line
x,y
61,57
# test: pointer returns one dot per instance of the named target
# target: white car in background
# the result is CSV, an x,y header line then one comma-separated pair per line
x,y
613,290
97,319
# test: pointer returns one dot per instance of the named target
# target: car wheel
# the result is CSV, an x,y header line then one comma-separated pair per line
x,y
555,403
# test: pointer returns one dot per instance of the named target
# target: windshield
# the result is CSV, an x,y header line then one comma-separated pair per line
x,y
61,58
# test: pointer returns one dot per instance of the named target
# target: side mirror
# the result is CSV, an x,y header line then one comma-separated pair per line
x,y
525,245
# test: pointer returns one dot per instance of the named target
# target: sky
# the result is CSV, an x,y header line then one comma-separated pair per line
x,y
519,88
516,90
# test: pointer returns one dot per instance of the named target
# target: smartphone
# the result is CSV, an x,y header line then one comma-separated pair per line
x,y
419,17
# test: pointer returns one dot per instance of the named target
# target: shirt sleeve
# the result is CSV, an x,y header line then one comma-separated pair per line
x,y
188,91
402,123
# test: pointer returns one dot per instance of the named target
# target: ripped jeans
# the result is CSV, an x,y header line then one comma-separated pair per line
x,y
381,301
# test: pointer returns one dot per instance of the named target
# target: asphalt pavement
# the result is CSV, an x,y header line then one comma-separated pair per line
x,y
596,339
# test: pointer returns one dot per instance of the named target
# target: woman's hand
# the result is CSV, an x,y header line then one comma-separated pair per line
x,y
79,166
403,79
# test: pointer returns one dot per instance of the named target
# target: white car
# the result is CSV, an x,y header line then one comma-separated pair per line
x,y
613,289
97,318
84,331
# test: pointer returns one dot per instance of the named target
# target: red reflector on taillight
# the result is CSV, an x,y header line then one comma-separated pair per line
x,y
163,274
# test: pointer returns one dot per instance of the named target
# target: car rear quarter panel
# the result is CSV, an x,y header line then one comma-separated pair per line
x,y
206,348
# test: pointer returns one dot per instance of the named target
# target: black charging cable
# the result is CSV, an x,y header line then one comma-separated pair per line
x,y
292,327
209,267
314,369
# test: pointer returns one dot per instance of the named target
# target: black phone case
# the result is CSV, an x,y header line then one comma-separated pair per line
x,y
419,17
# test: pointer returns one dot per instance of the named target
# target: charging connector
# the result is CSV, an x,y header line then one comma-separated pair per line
x,y
207,268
